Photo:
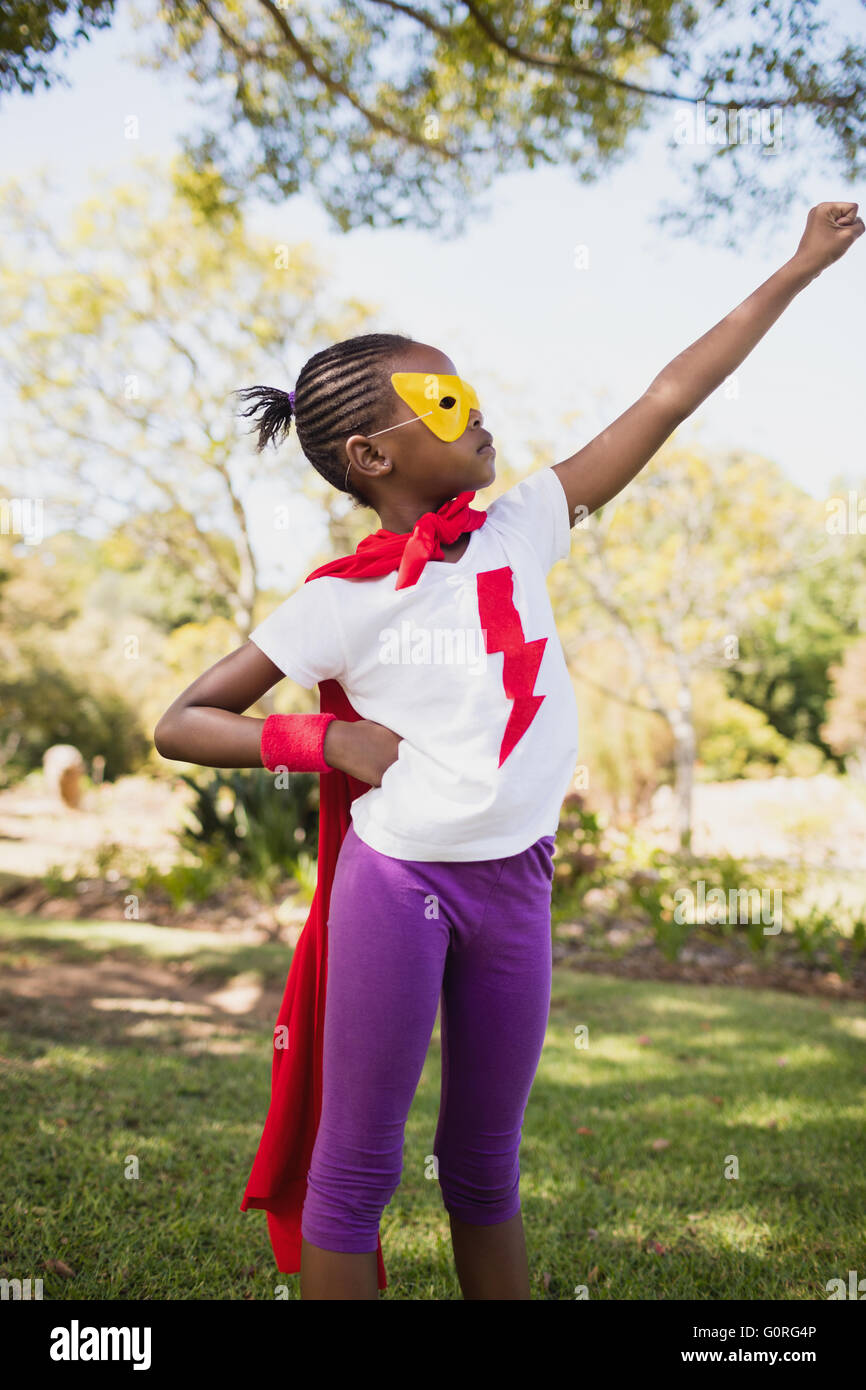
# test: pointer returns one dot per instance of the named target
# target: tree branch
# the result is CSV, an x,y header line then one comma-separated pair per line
x,y
425,20
337,88
541,60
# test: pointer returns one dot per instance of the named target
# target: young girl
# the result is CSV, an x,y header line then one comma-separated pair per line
x,y
447,739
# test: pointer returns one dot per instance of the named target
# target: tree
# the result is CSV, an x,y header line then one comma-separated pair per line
x,y
397,113
32,29
87,649
845,729
676,568
785,661
124,340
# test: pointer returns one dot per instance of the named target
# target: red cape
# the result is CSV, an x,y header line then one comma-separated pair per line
x,y
278,1181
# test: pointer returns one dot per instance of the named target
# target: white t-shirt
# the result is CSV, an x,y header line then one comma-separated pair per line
x,y
478,775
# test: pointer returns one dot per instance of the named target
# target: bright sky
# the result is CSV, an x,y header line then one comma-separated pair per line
x,y
555,351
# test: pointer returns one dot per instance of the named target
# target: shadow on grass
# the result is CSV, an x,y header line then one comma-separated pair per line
x,y
131,1133
206,955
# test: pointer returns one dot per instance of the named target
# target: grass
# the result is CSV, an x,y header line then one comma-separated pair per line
x,y
767,1083
206,955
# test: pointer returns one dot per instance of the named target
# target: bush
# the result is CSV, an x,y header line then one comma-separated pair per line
x,y
186,883
56,883
734,739
47,705
579,854
256,828
679,896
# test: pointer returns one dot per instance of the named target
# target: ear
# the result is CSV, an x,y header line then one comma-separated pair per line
x,y
367,460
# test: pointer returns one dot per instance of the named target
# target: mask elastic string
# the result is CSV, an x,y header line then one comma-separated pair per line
x,y
402,422
385,431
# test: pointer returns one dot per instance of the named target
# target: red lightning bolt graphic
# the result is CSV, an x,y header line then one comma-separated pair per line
x,y
503,632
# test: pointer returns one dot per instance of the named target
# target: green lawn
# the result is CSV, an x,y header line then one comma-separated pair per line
x,y
772,1081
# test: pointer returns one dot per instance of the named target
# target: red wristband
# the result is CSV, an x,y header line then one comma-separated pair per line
x,y
295,742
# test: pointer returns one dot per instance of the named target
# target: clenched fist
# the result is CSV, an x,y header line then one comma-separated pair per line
x,y
830,229
362,748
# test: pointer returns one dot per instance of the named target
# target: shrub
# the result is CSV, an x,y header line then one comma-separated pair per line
x,y
258,829
47,705
579,852
187,882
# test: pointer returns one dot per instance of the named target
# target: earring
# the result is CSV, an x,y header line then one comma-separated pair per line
x,y
346,483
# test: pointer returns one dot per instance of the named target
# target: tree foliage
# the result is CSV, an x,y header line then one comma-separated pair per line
x,y
786,658
42,704
32,31
396,113
123,337
845,729
676,570
84,629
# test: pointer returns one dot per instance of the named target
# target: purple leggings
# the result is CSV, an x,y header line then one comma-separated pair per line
x,y
402,933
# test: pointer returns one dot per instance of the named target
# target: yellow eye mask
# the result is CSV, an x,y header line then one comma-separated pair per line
x,y
442,402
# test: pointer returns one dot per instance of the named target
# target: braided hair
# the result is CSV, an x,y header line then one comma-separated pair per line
x,y
340,391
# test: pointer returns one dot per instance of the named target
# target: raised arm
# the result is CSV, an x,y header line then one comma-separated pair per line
x,y
603,467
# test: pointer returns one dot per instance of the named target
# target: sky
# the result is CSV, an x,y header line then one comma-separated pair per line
x,y
555,350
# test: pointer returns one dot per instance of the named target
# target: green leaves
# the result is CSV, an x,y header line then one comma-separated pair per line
x,y
395,114
30,29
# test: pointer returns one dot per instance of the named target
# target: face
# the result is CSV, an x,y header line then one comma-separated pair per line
x,y
421,457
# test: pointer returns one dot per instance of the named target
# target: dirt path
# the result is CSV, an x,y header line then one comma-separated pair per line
x,y
138,813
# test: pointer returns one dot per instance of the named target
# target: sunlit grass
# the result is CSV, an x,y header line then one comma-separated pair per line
x,y
706,1143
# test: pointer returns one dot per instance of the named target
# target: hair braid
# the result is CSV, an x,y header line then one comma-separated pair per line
x,y
340,391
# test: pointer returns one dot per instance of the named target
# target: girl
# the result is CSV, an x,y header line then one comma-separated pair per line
x,y
446,742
